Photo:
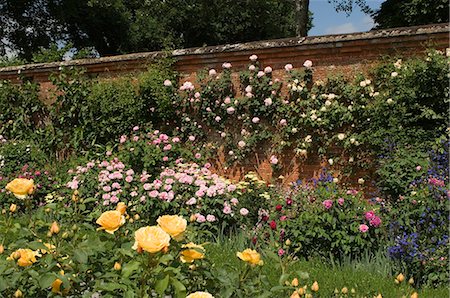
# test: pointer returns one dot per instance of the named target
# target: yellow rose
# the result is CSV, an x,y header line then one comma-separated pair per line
x,y
13,208
414,295
21,187
151,239
18,294
294,282
24,257
121,207
56,286
173,225
315,287
400,277
250,256
200,295
295,295
117,266
111,221
194,252
54,229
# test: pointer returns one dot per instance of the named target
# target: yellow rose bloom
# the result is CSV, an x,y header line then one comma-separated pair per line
x,y
315,287
173,225
25,257
121,207
110,221
192,253
250,256
21,187
151,239
200,295
56,286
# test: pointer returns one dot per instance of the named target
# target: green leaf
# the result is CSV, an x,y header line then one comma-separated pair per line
x,y
81,256
46,280
128,268
162,284
180,289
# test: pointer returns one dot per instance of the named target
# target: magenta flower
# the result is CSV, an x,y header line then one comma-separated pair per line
x,y
375,221
370,215
341,201
327,204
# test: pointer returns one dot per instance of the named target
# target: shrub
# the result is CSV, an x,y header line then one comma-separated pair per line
x,y
323,221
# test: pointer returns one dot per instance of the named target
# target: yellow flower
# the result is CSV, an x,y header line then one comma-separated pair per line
x,y
110,221
51,248
200,295
56,286
18,294
117,266
379,296
121,207
414,295
250,256
294,282
21,187
173,225
151,239
400,277
315,287
25,257
54,229
13,208
301,291
194,252
2,249
295,295
344,290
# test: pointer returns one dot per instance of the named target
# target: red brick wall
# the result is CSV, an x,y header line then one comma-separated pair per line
x,y
345,53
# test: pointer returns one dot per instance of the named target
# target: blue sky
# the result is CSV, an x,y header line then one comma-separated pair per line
x,y
328,21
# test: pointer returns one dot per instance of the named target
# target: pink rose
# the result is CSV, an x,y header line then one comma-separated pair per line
x,y
268,69
255,120
341,201
212,72
210,218
273,160
243,211
200,218
251,68
153,194
308,64
129,179
253,58
167,83
226,65
375,221
363,228
327,204
369,215
288,67
227,209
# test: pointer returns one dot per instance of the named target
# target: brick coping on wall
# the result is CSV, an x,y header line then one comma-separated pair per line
x,y
325,49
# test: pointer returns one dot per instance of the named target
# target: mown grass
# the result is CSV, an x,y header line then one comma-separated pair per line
x,y
370,276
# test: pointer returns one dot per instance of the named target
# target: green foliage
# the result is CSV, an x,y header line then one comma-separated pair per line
x,y
406,13
398,170
23,112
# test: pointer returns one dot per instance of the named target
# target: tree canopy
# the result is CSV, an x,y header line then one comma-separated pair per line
x,y
404,13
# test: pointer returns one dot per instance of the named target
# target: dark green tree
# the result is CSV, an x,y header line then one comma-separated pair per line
x,y
395,13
